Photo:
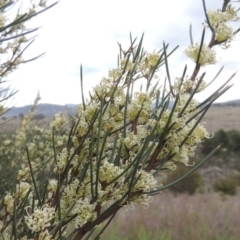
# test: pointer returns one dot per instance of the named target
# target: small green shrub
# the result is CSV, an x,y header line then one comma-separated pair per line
x,y
234,140
237,179
38,116
229,140
226,186
220,137
192,184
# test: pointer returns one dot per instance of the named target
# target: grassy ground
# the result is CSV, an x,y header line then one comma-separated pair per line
x,y
181,217
226,118
10,125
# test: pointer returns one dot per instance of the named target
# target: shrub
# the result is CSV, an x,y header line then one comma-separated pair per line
x,y
220,137
226,186
229,140
234,140
192,184
38,117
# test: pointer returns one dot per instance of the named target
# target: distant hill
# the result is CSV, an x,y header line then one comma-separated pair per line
x,y
232,103
223,115
47,110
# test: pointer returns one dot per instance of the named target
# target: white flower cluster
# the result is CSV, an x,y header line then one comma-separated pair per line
x,y
133,141
146,182
207,55
188,85
73,193
58,122
140,107
85,212
40,218
219,19
105,89
22,190
222,33
107,172
52,185
45,235
21,132
150,62
175,139
126,64
9,202
62,161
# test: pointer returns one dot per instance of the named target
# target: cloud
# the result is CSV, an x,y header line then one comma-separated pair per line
x,y
87,32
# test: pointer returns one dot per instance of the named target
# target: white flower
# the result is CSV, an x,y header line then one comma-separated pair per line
x,y
52,185
170,165
40,218
59,120
219,19
22,189
44,235
85,212
23,173
223,32
108,171
207,55
183,99
149,62
9,202
129,65
145,183
153,59
43,3
62,161
7,142
182,156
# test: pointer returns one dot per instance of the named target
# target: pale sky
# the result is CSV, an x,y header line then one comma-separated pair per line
x,y
87,32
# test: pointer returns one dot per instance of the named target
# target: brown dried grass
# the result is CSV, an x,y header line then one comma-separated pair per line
x,y
226,118
181,217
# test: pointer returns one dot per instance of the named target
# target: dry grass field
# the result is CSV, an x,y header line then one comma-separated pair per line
x,y
10,125
179,217
226,118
